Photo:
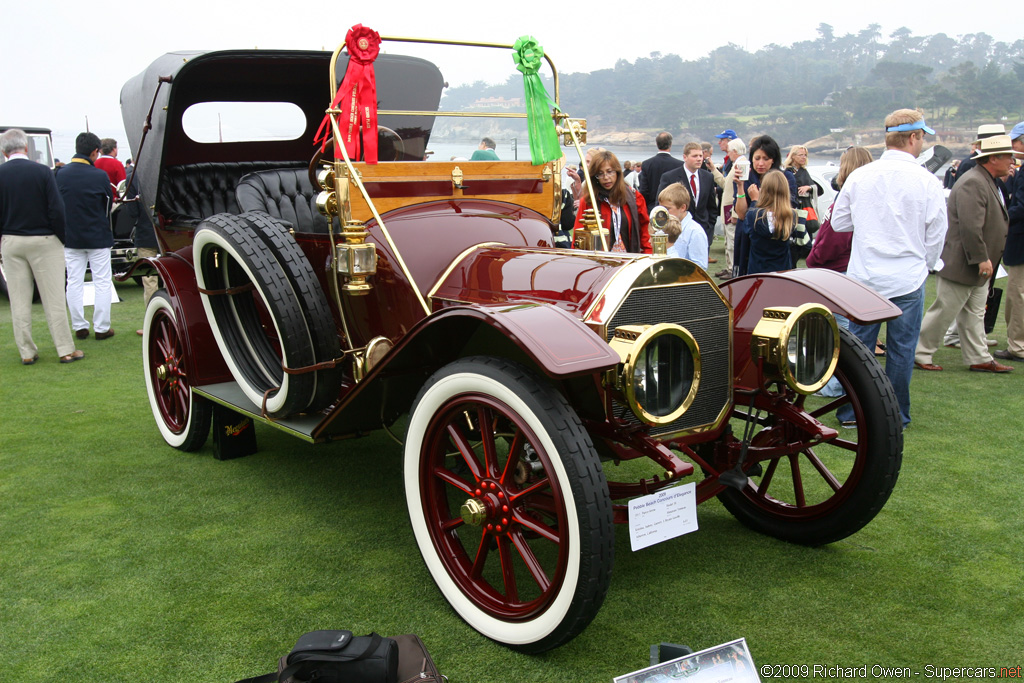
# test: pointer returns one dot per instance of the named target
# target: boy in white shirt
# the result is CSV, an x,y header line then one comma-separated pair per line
x,y
686,237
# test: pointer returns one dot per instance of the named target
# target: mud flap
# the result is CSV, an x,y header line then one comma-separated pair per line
x,y
234,434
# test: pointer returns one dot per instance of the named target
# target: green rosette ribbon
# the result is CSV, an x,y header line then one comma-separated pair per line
x,y
543,137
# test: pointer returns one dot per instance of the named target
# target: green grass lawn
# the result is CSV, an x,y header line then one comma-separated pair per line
x,y
122,559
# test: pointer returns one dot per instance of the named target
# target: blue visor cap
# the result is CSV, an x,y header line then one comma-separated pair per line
x,y
906,127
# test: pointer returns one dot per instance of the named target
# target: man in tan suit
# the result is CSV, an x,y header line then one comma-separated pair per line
x,y
978,221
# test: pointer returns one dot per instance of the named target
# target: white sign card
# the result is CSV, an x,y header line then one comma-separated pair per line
x,y
662,515
89,294
727,663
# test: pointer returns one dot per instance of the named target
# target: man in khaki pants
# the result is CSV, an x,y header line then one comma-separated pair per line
x,y
975,239
1013,260
32,247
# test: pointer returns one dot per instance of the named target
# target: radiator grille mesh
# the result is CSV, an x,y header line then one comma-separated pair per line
x,y
697,307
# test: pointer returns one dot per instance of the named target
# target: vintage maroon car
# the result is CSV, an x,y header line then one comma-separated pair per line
x,y
329,298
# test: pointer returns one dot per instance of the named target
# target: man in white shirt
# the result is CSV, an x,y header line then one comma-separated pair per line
x,y
897,213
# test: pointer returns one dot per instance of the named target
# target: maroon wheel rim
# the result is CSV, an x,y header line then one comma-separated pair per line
x,y
810,468
510,560
166,359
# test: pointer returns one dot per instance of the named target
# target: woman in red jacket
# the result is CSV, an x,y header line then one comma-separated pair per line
x,y
623,210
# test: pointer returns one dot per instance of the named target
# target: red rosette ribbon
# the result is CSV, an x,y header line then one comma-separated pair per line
x,y
356,98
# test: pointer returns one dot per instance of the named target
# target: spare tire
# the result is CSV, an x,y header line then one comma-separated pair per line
x,y
259,323
312,302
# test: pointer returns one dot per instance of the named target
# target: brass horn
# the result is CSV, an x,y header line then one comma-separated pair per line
x,y
659,240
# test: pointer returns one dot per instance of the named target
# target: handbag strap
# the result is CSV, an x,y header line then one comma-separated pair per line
x,y
265,678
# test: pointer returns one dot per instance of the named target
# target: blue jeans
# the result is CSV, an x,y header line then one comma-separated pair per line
x,y
900,342
834,389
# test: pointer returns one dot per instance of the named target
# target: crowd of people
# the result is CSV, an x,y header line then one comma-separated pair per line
x,y
55,226
890,226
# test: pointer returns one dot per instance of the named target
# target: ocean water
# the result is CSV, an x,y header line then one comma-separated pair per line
x,y
511,149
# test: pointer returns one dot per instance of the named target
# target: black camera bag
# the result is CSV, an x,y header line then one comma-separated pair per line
x,y
337,657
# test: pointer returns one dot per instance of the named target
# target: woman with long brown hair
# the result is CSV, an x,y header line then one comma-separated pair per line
x,y
622,209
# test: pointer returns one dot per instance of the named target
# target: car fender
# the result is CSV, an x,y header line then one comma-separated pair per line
x,y
540,336
203,361
751,294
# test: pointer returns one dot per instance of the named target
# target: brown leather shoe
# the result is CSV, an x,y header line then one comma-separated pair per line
x,y
82,334
991,366
712,260
931,367
1007,355
105,335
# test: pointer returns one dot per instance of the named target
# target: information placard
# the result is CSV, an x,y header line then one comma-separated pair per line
x,y
727,663
662,515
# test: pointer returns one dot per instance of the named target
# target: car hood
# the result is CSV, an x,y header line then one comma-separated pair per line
x,y
589,285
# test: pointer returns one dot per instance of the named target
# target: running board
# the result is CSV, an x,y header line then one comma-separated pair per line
x,y
230,395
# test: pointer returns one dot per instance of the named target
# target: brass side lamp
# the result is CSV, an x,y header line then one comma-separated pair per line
x,y
355,258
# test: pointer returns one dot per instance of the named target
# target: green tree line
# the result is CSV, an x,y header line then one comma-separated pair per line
x,y
799,91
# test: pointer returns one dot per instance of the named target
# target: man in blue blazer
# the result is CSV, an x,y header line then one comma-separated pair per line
x,y
32,229
87,198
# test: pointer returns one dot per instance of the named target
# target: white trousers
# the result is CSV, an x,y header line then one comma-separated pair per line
x,y
98,261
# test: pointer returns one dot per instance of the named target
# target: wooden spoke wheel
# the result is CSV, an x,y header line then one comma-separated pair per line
x,y
826,491
508,502
182,417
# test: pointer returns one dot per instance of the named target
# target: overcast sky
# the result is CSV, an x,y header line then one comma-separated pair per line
x,y
64,60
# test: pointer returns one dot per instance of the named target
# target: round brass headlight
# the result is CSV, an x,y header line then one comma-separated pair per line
x,y
661,374
809,348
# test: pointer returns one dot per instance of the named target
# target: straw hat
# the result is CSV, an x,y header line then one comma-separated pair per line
x,y
997,144
987,130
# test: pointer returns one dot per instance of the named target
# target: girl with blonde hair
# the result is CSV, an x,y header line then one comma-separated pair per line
x,y
774,221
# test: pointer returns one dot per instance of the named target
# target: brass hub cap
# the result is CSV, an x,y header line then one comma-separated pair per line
x,y
474,512
489,508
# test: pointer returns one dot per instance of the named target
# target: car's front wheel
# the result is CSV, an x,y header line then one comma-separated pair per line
x,y
826,491
508,503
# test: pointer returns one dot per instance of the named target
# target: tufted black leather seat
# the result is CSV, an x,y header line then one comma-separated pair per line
x,y
283,193
192,192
